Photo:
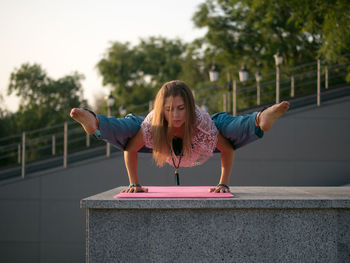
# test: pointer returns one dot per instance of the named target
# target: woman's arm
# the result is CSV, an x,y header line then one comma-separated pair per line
x,y
227,155
130,158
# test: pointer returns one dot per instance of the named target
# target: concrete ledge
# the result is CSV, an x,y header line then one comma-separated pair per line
x,y
262,224
245,197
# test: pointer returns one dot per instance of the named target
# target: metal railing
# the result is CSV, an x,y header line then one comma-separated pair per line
x,y
63,140
303,80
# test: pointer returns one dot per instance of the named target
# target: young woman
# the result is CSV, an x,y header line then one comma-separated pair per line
x,y
179,132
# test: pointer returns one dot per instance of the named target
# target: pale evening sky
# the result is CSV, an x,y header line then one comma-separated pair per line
x,y
72,35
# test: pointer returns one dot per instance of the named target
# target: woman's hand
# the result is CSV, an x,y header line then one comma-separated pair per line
x,y
135,189
219,189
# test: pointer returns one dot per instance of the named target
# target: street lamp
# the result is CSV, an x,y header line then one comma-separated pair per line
x,y
213,73
243,74
214,77
278,61
243,77
258,78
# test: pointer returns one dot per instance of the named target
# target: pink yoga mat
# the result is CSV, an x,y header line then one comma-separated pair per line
x,y
176,192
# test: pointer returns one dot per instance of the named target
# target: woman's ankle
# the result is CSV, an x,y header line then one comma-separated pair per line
x,y
257,119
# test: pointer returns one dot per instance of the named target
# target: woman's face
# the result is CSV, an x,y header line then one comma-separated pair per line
x,y
177,113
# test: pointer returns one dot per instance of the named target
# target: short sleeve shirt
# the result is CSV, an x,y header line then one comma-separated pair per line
x,y
204,139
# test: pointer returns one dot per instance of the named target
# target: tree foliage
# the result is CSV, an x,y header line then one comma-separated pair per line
x,y
238,31
44,101
136,73
251,31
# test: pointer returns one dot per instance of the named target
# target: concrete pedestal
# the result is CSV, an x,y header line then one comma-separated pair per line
x,y
261,224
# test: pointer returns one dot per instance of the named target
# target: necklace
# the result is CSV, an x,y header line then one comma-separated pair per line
x,y
176,150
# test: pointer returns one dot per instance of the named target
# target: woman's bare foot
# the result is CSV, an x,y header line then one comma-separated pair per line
x,y
266,118
86,119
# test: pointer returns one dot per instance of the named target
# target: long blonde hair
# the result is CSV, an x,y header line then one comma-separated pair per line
x,y
161,132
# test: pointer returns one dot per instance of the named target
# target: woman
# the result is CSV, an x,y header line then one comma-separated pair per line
x,y
179,132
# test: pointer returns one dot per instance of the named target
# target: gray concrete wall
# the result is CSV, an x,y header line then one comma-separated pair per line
x,y
261,224
40,218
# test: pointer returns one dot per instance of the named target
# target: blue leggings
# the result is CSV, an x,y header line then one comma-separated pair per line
x,y
239,130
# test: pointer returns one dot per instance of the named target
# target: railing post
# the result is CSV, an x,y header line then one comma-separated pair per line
x,y
228,92
234,98
326,77
229,101
108,150
53,145
292,86
108,146
87,140
65,145
23,154
19,154
277,84
258,101
225,101
318,83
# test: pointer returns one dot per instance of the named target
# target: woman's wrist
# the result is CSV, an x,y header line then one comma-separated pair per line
x,y
223,185
134,185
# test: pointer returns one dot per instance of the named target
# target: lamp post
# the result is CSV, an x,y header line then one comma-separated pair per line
x,y
234,98
214,77
110,102
258,78
278,61
243,77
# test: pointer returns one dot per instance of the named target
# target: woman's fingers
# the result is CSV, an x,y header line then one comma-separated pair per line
x,y
135,190
219,190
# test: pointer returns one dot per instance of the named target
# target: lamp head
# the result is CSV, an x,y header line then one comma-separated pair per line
x,y
278,58
243,74
213,73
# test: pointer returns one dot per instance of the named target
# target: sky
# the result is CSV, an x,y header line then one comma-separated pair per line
x,y
72,35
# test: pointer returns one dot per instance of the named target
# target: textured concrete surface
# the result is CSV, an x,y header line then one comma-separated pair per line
x,y
262,224
245,197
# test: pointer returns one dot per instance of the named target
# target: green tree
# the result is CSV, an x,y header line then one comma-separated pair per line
x,y
327,22
43,100
251,31
119,69
193,67
136,73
